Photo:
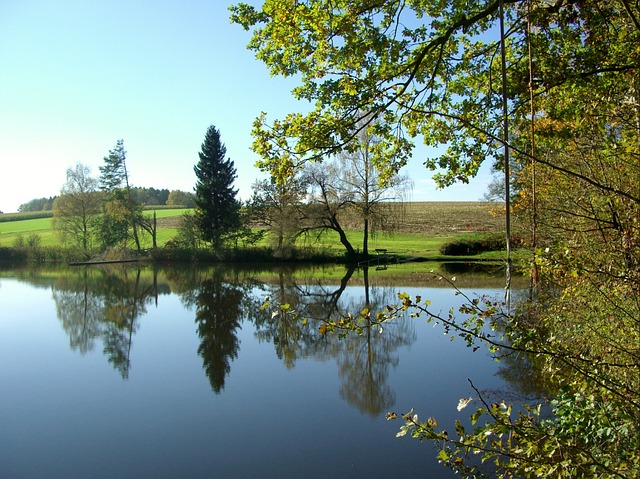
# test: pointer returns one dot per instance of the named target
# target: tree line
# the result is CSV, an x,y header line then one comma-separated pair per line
x,y
346,192
145,195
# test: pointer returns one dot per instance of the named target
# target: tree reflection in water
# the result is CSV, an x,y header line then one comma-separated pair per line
x,y
363,361
106,304
103,303
218,316
80,311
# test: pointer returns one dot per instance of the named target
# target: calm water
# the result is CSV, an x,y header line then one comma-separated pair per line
x,y
122,372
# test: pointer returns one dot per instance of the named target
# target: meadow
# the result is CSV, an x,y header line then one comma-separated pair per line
x,y
15,225
421,229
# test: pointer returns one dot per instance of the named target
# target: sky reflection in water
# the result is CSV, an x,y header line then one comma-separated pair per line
x,y
123,372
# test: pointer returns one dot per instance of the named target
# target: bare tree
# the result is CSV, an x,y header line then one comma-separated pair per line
x,y
351,186
327,200
277,207
369,192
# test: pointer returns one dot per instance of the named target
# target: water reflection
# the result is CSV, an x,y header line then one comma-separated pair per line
x,y
364,361
292,339
218,317
215,385
106,304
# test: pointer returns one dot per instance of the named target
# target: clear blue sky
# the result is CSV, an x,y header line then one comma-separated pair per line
x,y
76,76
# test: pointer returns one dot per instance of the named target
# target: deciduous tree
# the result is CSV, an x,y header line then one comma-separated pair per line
x,y
39,204
327,202
279,207
372,197
181,198
428,69
76,210
348,191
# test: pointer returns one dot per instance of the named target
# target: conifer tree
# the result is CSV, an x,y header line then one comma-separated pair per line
x,y
217,210
121,209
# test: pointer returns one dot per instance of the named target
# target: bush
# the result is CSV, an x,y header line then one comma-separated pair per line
x,y
33,240
472,246
19,242
39,254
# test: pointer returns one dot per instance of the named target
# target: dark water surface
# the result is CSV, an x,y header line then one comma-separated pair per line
x,y
122,372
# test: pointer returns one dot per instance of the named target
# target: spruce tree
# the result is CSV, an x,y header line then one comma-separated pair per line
x,y
217,210
113,174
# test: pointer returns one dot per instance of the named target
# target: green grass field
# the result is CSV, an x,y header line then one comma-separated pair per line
x,y
11,230
424,227
406,245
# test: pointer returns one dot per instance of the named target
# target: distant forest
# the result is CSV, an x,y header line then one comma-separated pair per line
x,y
147,196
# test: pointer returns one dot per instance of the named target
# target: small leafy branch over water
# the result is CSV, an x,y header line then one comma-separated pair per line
x,y
591,430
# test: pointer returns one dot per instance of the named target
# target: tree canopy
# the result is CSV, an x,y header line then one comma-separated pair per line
x,y
37,204
278,206
113,172
429,70
180,198
565,74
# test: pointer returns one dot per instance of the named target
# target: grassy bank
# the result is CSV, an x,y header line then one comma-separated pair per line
x,y
423,228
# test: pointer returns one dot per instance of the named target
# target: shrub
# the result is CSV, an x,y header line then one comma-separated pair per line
x,y
19,242
33,240
472,246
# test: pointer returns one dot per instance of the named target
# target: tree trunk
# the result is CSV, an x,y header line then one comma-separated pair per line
x,y
135,235
343,238
365,240
534,205
505,139
155,230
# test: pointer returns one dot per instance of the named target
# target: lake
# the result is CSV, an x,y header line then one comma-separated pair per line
x,y
180,372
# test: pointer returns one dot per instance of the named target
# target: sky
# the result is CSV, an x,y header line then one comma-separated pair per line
x,y
76,76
